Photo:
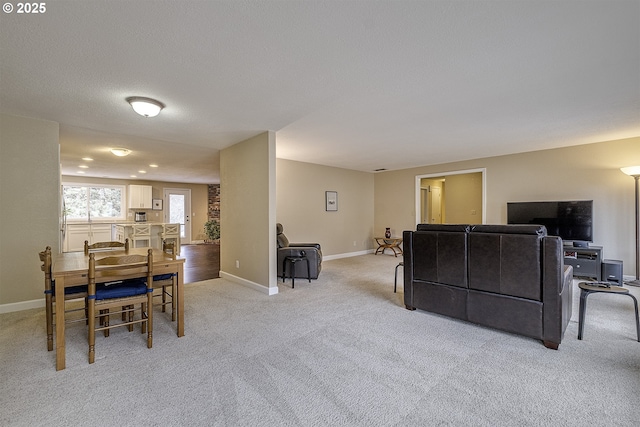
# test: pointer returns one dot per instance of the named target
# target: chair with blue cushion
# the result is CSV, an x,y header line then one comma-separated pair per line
x,y
120,282
70,293
165,281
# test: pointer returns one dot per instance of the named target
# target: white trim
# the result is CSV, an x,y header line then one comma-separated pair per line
x,y
347,255
483,171
22,305
269,290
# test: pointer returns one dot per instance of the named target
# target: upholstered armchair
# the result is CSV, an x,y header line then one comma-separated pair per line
x,y
311,250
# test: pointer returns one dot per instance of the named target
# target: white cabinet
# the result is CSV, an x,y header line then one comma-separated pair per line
x,y
140,196
78,233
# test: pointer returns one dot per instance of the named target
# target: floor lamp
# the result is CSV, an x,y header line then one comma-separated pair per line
x,y
634,171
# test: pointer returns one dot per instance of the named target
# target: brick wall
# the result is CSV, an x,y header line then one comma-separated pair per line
x,y
213,210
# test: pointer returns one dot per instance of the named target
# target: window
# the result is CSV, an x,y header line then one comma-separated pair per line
x,y
93,202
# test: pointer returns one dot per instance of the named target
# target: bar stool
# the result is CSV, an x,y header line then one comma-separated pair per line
x,y
141,232
587,288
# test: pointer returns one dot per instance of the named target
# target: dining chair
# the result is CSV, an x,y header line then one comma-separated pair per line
x,y
171,233
164,281
70,293
105,246
120,282
141,232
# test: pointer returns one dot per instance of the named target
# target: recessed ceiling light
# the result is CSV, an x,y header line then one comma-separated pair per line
x,y
80,172
146,107
121,152
87,159
133,176
142,171
84,166
153,166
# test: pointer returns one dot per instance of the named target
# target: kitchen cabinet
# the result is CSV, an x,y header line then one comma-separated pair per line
x,y
77,233
140,196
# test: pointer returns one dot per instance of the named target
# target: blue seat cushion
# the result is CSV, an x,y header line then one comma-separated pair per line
x,y
70,290
163,276
126,288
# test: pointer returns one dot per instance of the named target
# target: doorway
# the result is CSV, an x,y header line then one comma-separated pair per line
x,y
178,209
451,197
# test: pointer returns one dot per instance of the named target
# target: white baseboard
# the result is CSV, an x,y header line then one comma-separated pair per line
x,y
347,255
248,283
22,305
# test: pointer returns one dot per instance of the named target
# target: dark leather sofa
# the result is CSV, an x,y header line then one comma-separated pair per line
x,y
508,277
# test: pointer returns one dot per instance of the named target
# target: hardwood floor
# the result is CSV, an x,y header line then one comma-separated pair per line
x,y
202,262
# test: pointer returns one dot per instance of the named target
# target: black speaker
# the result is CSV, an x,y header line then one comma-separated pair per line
x,y
612,271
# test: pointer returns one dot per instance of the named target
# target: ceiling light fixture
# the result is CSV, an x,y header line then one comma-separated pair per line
x,y
146,107
121,152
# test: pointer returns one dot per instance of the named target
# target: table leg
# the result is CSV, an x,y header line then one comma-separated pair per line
x,y
60,347
180,295
583,308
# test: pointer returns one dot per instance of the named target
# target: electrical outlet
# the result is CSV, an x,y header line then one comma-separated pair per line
x,y
354,243
237,263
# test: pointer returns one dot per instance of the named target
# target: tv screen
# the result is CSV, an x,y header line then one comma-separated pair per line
x,y
570,220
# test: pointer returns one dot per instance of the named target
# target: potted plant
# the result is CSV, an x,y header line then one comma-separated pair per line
x,y
212,230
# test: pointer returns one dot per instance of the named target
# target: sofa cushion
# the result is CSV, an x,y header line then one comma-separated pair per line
x,y
440,257
508,264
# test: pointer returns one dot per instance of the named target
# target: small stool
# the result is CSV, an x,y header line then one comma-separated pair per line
x,y
292,262
395,281
592,288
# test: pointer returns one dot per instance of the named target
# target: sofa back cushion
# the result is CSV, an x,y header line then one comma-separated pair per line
x,y
507,259
440,254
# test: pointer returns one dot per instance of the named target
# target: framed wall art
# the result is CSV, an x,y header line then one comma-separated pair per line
x,y
331,200
157,205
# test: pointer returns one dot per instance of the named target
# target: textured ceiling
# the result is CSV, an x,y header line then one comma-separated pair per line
x,y
361,85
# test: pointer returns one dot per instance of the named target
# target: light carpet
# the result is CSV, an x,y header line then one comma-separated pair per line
x,y
341,350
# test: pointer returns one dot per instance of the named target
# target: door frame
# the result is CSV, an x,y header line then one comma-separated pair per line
x,y
483,172
187,193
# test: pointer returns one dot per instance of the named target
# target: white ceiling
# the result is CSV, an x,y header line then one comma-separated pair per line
x,y
361,84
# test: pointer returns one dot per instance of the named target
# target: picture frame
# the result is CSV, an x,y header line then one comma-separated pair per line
x,y
331,201
156,205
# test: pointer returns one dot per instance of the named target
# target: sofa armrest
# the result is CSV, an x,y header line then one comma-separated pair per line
x,y
305,245
557,291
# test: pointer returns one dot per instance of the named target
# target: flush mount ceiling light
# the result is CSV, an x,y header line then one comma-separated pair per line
x,y
146,107
121,152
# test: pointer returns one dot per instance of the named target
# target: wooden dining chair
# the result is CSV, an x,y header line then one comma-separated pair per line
x,y
70,293
170,233
120,282
105,246
166,282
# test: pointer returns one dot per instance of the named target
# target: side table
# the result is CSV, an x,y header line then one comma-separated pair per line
x,y
587,288
293,260
392,243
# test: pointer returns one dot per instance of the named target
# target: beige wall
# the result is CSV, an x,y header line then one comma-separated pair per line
x,y
585,172
463,198
300,190
199,199
247,213
29,205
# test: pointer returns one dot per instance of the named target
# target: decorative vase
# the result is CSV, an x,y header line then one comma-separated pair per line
x,y
387,233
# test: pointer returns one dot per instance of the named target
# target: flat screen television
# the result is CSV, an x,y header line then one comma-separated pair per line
x,y
570,220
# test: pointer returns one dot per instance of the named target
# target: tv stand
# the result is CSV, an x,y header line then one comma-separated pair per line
x,y
586,262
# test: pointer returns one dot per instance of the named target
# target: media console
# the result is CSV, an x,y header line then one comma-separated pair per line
x,y
586,262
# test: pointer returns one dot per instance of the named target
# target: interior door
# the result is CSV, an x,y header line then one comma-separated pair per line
x,y
177,202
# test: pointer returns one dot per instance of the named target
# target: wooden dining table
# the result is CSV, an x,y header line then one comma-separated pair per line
x,y
72,268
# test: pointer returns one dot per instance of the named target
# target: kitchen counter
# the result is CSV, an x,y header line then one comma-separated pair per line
x,y
123,230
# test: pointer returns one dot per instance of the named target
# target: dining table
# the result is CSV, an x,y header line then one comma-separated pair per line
x,y
72,268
